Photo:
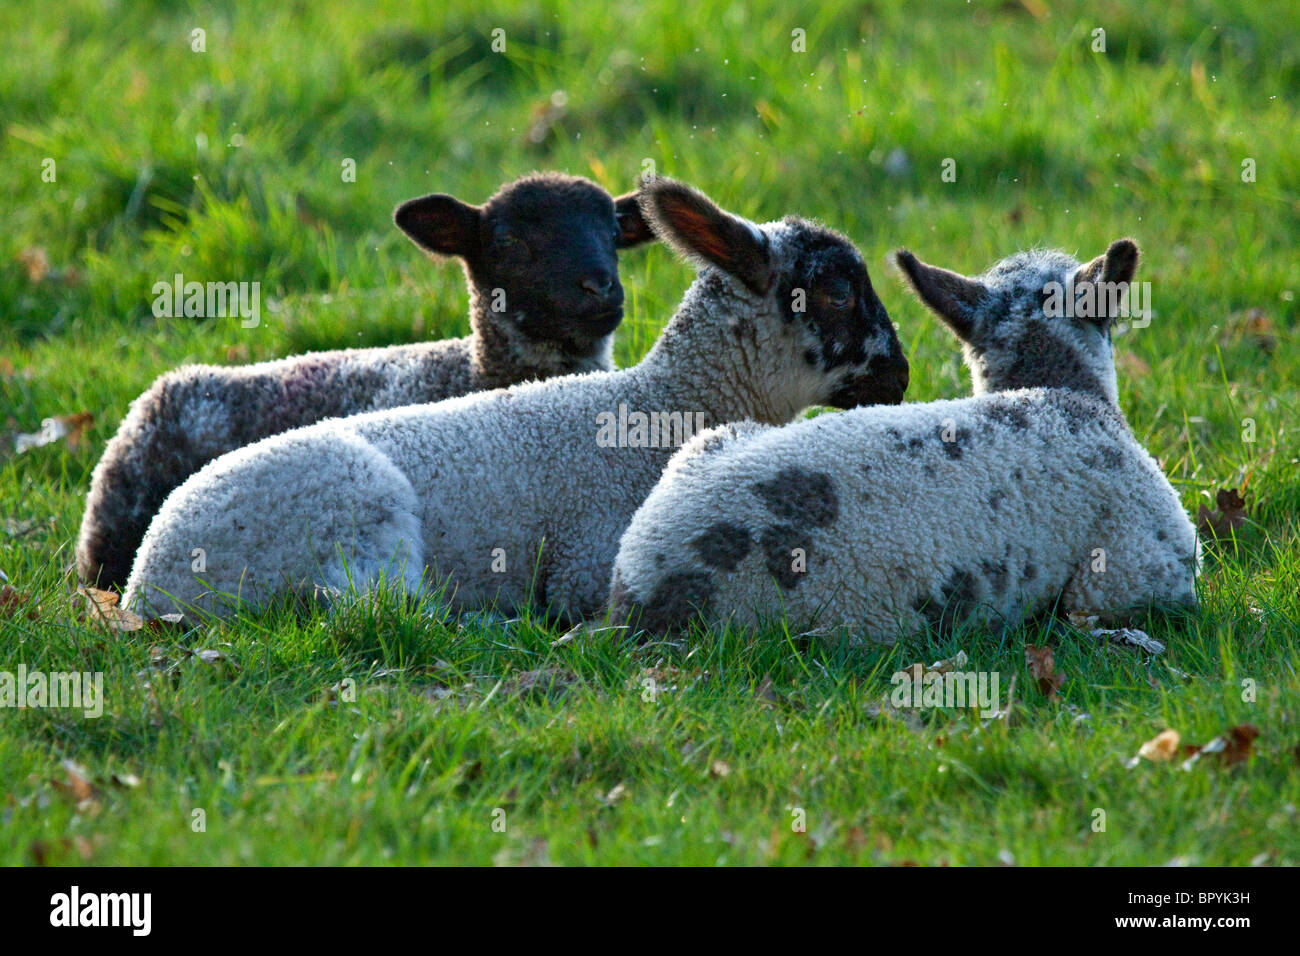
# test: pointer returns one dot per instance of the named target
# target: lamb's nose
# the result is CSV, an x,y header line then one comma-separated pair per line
x,y
903,376
598,284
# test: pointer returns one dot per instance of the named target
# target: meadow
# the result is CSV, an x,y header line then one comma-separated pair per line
x,y
389,734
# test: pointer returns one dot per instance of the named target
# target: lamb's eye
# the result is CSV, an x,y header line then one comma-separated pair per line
x,y
510,244
840,296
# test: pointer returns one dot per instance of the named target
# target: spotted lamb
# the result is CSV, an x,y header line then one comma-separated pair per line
x,y
877,522
519,496
545,299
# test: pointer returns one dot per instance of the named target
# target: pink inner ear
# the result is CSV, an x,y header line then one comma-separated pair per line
x,y
702,234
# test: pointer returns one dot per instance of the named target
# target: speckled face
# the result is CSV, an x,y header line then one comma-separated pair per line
x,y
825,289
542,251
1017,325
1022,339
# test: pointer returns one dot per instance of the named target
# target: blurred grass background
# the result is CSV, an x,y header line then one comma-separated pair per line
x,y
227,165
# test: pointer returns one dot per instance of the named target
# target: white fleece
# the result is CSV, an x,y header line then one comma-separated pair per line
x,y
873,522
505,494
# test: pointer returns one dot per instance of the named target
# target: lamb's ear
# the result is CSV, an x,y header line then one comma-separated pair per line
x,y
689,221
1118,264
442,224
952,296
1116,269
632,227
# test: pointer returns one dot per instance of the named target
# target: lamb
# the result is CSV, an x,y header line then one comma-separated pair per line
x,y
517,497
539,257
874,523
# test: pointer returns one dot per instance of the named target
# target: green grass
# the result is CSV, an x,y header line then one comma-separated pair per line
x,y
226,165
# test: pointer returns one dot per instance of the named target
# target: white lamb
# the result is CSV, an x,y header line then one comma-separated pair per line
x,y
521,494
874,522
545,299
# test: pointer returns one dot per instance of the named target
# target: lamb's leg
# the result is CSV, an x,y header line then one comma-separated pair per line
x,y
1134,568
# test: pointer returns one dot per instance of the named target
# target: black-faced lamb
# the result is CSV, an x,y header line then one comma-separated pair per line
x,y
874,522
518,497
540,260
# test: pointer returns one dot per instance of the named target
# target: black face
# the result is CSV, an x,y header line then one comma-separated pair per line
x,y
848,334
554,253
542,252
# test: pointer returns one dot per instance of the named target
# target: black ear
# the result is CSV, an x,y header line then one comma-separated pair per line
x,y
442,224
1116,268
1118,264
688,221
632,227
950,295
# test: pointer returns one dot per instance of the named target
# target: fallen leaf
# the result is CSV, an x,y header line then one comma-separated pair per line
x,y
1240,743
1130,637
719,769
955,663
12,601
1042,668
104,607
77,787
1161,748
1232,748
71,427
1229,518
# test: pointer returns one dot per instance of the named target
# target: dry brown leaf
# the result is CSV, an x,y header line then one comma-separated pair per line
x,y
954,663
77,788
104,609
1222,523
1042,668
1231,748
1161,748
12,601
71,427
1241,741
